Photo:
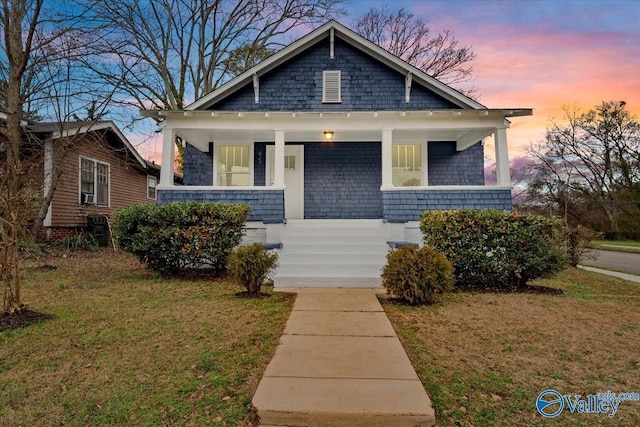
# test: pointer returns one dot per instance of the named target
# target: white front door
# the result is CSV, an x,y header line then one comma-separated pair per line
x,y
293,178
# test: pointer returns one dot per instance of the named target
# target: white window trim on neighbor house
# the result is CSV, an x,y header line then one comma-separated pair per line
x,y
95,181
216,163
150,179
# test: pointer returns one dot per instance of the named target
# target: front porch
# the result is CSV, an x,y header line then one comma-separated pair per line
x,y
385,165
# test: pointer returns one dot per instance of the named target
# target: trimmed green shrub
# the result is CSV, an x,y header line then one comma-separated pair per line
x,y
418,276
495,249
251,265
173,237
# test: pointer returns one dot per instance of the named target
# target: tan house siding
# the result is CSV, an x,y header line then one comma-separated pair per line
x,y
127,184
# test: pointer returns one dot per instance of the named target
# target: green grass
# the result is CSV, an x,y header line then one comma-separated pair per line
x,y
129,348
484,358
616,245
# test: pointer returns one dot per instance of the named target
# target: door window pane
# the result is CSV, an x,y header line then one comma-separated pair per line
x,y
406,161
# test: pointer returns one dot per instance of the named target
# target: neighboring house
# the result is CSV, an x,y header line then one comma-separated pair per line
x,y
333,127
99,171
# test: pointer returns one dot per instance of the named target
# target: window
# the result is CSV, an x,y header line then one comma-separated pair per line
x,y
331,86
233,166
152,182
290,163
94,182
406,161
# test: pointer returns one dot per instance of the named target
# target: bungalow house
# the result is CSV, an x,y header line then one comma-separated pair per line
x,y
338,146
98,171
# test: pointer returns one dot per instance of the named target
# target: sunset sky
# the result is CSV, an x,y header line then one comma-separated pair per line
x,y
536,54
541,54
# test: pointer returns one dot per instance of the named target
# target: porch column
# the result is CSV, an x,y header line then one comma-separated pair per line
x,y
503,174
168,156
387,148
278,173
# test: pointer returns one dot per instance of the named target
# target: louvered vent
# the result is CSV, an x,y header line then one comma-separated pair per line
x,y
331,86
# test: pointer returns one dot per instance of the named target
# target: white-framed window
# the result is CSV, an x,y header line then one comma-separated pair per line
x,y
331,92
152,183
94,182
234,165
409,164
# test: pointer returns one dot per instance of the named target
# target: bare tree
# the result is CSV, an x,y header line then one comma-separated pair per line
x,y
410,38
592,161
41,57
166,53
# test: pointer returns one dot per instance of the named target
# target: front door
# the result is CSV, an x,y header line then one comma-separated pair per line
x,y
293,178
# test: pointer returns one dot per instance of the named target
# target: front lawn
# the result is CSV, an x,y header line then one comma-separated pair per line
x,y
484,358
129,348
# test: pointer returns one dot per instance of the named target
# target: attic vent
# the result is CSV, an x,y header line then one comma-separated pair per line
x,y
331,86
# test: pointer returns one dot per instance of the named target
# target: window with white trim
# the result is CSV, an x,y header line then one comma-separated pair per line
x,y
406,160
233,165
94,182
331,86
152,183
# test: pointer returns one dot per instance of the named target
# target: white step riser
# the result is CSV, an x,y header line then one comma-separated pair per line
x,y
343,250
333,240
332,259
311,270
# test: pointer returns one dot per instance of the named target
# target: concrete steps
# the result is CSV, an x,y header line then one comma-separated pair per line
x,y
332,253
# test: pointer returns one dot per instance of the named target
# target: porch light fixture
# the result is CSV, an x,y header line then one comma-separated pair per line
x,y
328,135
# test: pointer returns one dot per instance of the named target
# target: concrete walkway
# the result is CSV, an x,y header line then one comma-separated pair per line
x,y
625,276
340,363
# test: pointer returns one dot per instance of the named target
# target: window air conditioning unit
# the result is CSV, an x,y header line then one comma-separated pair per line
x,y
88,199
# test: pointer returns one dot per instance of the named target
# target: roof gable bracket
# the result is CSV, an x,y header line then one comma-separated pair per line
x,y
256,88
331,43
472,137
407,87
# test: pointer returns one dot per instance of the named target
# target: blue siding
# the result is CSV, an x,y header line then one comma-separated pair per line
x,y
450,167
408,205
342,180
266,205
367,84
198,166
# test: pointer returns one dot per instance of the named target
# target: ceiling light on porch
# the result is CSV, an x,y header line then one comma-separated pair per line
x,y
328,135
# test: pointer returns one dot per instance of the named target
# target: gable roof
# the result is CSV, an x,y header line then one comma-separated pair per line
x,y
354,40
61,130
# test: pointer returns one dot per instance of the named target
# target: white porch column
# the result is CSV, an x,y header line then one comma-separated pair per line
x,y
503,174
168,156
387,167
278,173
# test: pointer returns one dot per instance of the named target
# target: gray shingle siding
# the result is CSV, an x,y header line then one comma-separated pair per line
x,y
450,167
266,205
367,84
198,166
408,205
342,180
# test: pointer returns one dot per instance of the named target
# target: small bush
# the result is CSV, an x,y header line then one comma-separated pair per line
x,y
173,237
418,276
251,266
578,239
495,249
78,241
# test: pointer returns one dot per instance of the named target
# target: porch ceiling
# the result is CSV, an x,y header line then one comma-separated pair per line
x,y
201,138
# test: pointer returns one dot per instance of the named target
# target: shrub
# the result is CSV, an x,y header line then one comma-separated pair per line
x,y
251,265
172,237
418,276
495,249
578,239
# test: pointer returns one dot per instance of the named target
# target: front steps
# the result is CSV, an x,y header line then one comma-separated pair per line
x,y
332,253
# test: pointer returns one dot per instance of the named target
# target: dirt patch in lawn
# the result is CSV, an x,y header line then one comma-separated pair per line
x,y
484,358
23,319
